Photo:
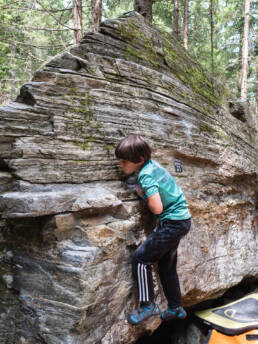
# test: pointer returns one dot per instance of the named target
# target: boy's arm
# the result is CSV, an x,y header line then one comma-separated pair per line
x,y
150,192
154,203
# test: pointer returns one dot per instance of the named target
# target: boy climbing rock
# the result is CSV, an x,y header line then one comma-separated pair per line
x,y
166,200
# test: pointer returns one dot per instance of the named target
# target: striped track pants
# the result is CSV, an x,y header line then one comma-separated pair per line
x,y
143,280
161,247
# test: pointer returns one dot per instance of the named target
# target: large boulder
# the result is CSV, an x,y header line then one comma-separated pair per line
x,y
69,225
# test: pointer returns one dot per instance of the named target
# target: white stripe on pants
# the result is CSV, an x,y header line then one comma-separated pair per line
x,y
142,282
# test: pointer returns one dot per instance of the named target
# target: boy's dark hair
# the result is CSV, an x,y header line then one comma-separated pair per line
x,y
133,148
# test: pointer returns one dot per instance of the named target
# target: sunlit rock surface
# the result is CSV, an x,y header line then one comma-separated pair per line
x,y
69,225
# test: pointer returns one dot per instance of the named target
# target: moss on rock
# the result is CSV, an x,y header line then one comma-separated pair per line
x,y
141,45
87,125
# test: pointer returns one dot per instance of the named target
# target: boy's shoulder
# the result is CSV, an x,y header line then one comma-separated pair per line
x,y
151,167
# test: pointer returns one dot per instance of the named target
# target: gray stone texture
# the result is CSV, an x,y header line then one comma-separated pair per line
x,y
69,224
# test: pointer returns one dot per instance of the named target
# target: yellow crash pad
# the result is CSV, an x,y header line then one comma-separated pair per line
x,y
250,337
234,318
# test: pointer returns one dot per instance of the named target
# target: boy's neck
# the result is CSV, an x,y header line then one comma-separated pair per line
x,y
140,166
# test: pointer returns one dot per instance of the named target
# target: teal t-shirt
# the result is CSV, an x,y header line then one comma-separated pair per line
x,y
154,178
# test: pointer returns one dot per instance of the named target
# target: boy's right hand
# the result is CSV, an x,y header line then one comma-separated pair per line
x,y
139,190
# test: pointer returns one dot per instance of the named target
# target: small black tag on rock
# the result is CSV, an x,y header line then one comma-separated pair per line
x,y
178,166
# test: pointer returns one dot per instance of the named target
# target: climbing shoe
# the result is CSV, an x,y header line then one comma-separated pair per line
x,y
173,313
143,313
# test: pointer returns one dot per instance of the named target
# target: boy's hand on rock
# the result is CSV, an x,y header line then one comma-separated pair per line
x,y
139,190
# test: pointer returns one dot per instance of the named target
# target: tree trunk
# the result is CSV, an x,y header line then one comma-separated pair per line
x,y
256,94
144,7
240,61
77,19
244,64
96,11
176,19
12,71
212,38
186,16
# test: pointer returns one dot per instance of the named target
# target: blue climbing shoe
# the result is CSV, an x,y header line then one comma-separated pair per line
x,y
173,313
142,313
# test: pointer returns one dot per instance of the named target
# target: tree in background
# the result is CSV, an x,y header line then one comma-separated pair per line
x,y
185,23
244,55
32,31
256,90
212,36
77,20
96,12
11,60
176,30
144,7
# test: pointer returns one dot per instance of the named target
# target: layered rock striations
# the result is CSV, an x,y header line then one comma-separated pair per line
x,y
69,225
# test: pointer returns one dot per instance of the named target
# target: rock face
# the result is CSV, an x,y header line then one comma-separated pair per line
x,y
69,225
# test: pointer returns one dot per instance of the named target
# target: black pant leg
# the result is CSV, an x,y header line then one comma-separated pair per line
x,y
169,279
168,264
145,255
162,242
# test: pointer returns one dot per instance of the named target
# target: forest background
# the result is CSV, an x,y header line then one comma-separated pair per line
x,y
33,31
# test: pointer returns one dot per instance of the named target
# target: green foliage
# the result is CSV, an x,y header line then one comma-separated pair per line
x,y
228,27
115,8
30,33
33,31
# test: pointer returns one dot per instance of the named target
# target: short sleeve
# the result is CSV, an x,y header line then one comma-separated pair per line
x,y
149,185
